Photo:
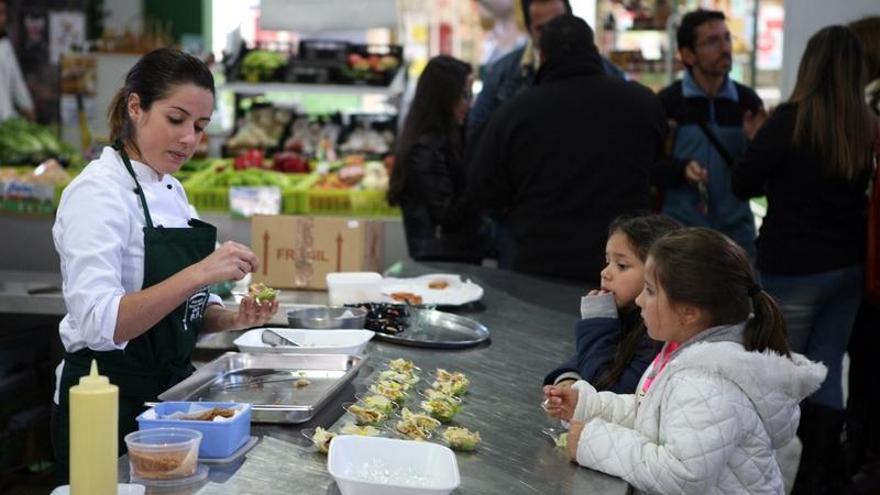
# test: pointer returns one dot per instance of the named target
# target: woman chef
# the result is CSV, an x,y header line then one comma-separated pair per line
x,y
135,264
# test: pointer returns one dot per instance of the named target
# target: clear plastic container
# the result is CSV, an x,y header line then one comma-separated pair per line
x,y
163,453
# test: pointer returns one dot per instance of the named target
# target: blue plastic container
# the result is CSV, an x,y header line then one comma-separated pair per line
x,y
220,439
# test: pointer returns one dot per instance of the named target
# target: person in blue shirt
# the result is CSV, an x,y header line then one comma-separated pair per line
x,y
613,347
708,112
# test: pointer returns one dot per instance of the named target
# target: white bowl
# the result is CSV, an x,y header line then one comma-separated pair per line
x,y
310,341
385,466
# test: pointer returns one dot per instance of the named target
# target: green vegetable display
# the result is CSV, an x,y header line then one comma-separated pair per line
x,y
222,175
26,143
260,65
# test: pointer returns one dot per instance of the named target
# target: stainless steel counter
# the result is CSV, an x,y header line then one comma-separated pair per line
x,y
529,338
532,331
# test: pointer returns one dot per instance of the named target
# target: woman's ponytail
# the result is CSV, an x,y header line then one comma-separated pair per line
x,y
766,329
117,116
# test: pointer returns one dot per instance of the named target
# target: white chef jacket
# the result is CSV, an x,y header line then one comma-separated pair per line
x,y
13,90
99,237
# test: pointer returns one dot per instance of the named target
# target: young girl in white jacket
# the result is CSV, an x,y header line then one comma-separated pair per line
x,y
721,396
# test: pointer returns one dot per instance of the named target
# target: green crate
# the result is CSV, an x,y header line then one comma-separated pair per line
x,y
311,201
212,199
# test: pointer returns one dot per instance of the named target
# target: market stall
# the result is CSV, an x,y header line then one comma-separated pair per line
x,y
530,323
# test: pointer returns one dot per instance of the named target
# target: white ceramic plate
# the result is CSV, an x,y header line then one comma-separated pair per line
x,y
310,341
457,292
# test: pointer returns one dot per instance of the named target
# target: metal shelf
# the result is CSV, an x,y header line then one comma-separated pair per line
x,y
396,87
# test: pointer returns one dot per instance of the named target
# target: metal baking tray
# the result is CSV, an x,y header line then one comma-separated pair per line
x,y
438,330
269,383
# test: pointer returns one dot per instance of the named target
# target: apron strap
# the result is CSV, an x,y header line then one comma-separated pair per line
x,y
118,146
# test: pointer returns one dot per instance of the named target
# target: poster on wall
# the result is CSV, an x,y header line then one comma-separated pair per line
x,y
67,31
771,20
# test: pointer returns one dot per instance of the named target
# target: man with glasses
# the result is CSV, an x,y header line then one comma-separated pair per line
x,y
709,114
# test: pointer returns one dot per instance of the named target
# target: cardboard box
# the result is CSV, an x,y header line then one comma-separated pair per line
x,y
297,252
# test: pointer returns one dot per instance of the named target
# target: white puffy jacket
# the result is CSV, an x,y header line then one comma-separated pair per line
x,y
710,423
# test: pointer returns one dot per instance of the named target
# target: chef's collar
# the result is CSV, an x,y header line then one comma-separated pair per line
x,y
143,172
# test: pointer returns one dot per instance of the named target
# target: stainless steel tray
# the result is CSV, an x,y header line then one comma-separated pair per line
x,y
438,330
254,378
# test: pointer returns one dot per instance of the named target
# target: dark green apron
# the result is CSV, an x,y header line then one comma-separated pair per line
x,y
159,358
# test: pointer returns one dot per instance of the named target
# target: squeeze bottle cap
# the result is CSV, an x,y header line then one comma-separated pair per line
x,y
93,380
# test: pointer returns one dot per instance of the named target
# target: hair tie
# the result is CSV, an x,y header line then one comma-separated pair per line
x,y
754,290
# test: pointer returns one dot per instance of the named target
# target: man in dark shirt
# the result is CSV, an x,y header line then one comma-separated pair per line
x,y
514,72
567,155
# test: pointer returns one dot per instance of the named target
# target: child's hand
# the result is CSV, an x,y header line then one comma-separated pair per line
x,y
574,435
596,292
561,401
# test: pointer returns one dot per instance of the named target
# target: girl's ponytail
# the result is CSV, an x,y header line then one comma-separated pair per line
x,y
706,269
766,329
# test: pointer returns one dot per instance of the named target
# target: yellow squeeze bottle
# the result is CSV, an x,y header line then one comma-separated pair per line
x,y
94,417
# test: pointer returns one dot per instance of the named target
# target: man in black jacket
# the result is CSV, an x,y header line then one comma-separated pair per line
x,y
568,155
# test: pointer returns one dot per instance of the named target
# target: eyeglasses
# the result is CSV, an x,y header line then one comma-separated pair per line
x,y
715,41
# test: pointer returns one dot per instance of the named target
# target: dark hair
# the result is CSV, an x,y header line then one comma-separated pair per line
x,y
527,17
686,36
704,268
438,91
867,30
641,230
568,38
153,78
832,117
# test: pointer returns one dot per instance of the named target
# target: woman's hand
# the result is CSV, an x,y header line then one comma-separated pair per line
x,y
574,436
252,314
561,401
231,261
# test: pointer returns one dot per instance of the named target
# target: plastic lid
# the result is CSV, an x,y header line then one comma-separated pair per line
x,y
93,380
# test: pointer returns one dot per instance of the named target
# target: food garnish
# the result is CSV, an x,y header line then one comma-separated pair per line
x,y
407,297
365,415
461,438
364,431
441,409
262,293
322,439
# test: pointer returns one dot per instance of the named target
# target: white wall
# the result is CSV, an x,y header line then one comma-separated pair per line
x,y
804,17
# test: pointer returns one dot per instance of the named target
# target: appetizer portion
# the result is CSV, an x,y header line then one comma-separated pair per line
x,y
322,438
451,383
416,426
461,438
363,431
366,416
262,293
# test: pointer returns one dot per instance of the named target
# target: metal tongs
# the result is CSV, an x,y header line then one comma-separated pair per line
x,y
260,380
273,338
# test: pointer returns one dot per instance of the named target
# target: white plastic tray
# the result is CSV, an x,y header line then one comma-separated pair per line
x,y
310,341
384,466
